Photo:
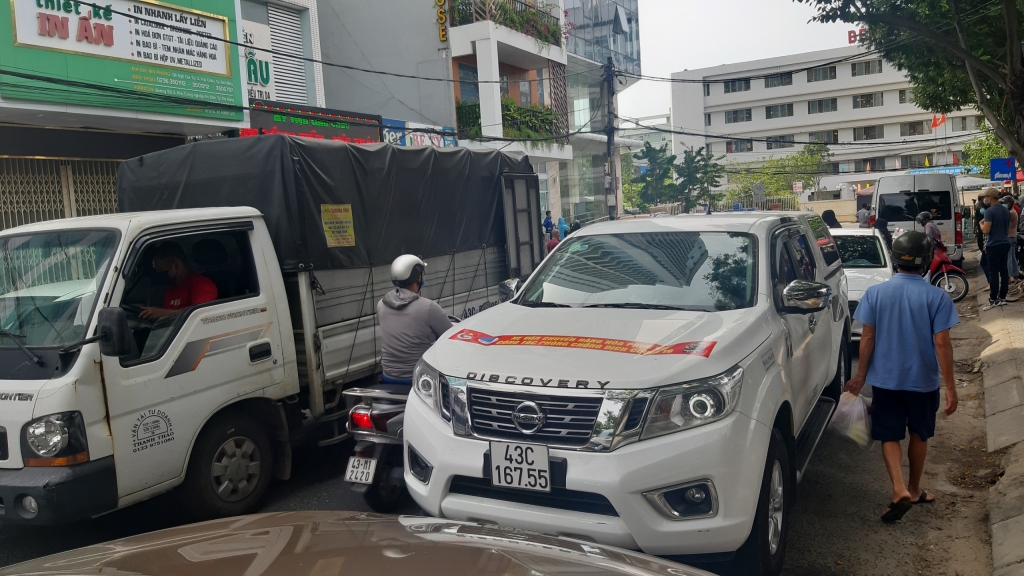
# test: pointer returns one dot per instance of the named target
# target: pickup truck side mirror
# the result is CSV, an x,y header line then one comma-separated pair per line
x,y
508,289
115,336
803,297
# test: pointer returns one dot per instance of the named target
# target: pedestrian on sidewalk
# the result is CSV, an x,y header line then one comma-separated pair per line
x,y
548,224
904,342
555,238
863,217
1012,264
996,225
830,220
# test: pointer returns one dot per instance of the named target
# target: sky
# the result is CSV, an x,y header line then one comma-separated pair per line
x,y
678,35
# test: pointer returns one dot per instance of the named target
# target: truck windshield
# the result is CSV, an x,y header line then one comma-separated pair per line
x,y
705,271
860,251
48,285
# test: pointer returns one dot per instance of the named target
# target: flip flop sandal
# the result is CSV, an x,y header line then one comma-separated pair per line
x,y
923,498
897,510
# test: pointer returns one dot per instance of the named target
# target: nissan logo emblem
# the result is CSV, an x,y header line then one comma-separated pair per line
x,y
528,417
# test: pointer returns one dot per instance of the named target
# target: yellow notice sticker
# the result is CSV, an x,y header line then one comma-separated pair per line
x,y
338,227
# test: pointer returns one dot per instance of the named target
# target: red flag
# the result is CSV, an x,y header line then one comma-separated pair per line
x,y
936,121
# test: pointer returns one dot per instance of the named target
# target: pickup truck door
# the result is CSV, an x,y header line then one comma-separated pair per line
x,y
792,260
828,334
184,368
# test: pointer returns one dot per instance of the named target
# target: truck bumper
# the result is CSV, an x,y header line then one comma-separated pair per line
x,y
730,453
62,494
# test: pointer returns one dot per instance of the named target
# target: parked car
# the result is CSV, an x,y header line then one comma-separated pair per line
x,y
866,261
322,543
657,384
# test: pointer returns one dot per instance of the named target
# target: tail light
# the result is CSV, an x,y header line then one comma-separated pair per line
x,y
871,220
958,236
360,418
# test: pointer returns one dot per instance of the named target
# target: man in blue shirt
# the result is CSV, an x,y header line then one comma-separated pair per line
x,y
548,224
996,225
904,343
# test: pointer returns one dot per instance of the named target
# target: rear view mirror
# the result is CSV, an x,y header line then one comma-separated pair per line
x,y
115,337
803,297
508,289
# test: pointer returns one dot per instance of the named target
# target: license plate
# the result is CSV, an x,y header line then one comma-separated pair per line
x,y
522,466
360,470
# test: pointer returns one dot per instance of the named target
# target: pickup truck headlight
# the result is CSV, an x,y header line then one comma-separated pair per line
x,y
427,383
684,406
55,440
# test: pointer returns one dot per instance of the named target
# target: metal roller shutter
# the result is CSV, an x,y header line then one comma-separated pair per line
x,y
286,37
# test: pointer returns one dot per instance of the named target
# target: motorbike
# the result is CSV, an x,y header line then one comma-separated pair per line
x,y
944,274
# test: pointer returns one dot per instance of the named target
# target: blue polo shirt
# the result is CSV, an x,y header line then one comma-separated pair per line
x,y
907,312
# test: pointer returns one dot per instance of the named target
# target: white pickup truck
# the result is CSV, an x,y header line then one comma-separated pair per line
x,y
656,384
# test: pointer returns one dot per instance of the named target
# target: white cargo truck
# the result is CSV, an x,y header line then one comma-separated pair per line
x,y
101,408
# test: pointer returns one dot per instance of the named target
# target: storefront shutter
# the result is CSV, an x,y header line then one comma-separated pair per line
x,y
286,38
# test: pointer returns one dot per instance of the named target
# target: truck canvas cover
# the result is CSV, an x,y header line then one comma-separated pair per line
x,y
330,204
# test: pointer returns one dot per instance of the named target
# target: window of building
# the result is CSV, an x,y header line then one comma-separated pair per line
x,y
819,106
524,93
906,96
504,84
469,89
832,167
732,146
708,147
916,161
867,100
775,142
776,80
965,123
286,36
865,68
868,133
707,119
707,89
825,136
919,128
778,111
869,164
734,116
741,85
821,73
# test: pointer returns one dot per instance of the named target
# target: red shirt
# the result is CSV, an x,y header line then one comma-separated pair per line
x,y
196,289
551,245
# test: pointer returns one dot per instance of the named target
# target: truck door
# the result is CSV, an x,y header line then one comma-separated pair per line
x,y
185,366
522,223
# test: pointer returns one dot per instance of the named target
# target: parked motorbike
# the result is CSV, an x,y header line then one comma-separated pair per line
x,y
944,274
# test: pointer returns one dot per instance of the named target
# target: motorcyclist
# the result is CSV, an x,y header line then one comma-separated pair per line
x,y
931,230
409,323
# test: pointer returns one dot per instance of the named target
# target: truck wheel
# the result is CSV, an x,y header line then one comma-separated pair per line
x,y
764,552
229,470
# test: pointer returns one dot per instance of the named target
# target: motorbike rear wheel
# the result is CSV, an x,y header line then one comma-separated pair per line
x,y
386,495
953,283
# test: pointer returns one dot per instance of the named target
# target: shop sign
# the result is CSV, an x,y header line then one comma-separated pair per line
x,y
308,122
402,133
259,62
130,54
442,19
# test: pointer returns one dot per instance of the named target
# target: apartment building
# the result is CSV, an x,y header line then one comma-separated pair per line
x,y
861,107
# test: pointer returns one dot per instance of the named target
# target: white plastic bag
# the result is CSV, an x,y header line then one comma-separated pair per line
x,y
852,419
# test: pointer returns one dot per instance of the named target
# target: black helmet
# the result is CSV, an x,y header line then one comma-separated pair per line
x,y
912,249
924,217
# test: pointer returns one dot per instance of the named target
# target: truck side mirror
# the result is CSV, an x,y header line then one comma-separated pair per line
x,y
115,337
803,297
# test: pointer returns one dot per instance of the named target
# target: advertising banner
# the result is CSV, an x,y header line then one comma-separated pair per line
x,y
309,122
139,55
402,133
259,64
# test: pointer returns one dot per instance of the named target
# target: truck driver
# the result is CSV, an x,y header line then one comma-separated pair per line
x,y
187,288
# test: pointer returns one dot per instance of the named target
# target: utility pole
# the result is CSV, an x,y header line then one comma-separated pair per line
x,y
609,130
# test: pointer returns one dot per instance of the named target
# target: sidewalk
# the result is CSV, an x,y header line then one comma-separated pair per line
x,y
1003,377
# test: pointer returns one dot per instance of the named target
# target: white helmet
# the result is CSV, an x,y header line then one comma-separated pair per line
x,y
406,269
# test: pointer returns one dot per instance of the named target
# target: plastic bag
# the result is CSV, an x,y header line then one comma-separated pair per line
x,y
852,419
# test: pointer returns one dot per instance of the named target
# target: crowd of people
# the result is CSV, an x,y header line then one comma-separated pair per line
x,y
997,226
555,232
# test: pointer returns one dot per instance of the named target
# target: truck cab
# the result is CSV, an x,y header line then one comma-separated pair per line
x,y
657,384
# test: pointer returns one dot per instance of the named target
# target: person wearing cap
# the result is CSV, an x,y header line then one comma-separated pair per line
x,y
1011,261
996,224
904,343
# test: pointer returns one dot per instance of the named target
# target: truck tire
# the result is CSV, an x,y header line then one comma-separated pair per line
x,y
764,552
230,469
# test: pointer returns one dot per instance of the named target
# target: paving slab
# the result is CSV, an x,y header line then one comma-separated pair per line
x,y
1003,397
1005,536
996,373
1015,570
1006,497
1005,428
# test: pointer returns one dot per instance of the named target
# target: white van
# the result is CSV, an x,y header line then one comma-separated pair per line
x,y
899,199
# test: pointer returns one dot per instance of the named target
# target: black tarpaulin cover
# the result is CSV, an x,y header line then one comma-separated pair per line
x,y
424,201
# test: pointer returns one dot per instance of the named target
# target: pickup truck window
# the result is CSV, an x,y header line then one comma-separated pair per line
x,y
793,261
825,242
706,271
48,284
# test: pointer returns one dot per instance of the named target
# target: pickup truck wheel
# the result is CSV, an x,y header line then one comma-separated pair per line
x,y
764,552
229,470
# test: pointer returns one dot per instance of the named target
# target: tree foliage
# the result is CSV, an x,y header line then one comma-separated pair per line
x,y
698,174
656,183
957,54
630,189
778,173
981,149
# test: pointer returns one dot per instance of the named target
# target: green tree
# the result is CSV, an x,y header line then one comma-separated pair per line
x,y
656,183
981,149
630,189
957,54
709,176
698,174
778,173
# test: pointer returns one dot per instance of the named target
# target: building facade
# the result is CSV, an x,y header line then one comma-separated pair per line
x,y
861,107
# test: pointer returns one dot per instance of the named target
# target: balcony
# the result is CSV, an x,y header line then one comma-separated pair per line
x,y
514,14
517,121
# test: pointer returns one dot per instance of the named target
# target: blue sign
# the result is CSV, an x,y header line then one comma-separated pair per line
x,y
955,170
737,206
1002,169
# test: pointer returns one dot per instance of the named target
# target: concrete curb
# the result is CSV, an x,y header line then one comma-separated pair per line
x,y
1003,381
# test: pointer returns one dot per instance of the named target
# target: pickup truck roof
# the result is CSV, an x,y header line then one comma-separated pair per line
x,y
145,219
723,222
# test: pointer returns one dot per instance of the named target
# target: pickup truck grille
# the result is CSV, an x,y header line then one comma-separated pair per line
x,y
3,445
569,421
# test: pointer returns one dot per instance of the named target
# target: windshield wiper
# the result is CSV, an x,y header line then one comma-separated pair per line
x,y
14,338
642,306
529,304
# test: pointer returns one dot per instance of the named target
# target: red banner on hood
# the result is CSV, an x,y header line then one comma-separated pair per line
x,y
702,348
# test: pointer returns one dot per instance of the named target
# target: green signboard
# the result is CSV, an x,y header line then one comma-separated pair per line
x,y
142,55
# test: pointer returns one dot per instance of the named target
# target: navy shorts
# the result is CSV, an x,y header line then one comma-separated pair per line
x,y
893,412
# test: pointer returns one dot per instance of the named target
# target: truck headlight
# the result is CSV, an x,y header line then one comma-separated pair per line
x,y
55,440
427,383
684,406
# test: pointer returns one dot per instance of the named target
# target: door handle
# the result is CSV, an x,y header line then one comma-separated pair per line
x,y
260,351
812,322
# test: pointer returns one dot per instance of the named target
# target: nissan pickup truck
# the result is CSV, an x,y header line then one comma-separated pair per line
x,y
656,384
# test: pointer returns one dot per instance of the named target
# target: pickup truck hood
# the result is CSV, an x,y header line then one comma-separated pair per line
x,y
597,348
